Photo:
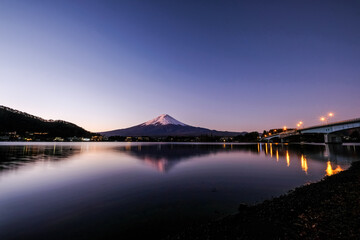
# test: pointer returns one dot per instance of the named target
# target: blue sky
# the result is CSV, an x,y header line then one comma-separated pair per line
x,y
226,65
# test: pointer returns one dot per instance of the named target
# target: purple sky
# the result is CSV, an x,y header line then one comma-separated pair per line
x,y
239,65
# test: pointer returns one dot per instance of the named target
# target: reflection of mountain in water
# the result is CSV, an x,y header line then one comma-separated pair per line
x,y
15,156
164,156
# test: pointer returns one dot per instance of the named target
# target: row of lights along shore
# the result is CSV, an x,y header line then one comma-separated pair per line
x,y
322,119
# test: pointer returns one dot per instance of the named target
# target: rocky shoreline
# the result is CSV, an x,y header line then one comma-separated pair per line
x,y
329,209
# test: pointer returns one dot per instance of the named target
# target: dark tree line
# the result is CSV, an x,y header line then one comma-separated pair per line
x,y
247,137
23,124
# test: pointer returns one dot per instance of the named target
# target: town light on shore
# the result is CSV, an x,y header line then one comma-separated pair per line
x,y
284,128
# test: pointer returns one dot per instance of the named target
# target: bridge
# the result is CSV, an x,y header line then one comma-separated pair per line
x,y
331,131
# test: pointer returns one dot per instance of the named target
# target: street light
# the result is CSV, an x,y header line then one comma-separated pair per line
x,y
285,128
331,115
323,119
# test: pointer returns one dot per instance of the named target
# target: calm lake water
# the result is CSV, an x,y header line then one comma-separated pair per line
x,y
102,190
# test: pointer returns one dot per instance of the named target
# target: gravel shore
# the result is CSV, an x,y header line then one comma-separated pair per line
x,y
329,209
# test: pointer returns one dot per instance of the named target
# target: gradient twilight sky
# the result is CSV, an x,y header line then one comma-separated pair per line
x,y
225,65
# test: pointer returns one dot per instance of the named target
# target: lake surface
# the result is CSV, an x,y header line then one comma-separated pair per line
x,y
131,190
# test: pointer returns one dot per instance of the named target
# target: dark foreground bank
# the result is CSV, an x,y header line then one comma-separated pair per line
x,y
329,209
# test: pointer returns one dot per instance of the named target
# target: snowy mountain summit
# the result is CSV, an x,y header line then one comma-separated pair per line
x,y
163,119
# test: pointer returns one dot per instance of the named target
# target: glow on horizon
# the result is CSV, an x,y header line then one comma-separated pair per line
x,y
111,65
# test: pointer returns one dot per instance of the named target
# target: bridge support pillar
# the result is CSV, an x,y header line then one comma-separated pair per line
x,y
332,138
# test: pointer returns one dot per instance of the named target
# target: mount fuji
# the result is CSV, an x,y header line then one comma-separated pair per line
x,y
165,125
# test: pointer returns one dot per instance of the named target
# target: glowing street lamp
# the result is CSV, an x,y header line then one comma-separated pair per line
x,y
285,128
323,119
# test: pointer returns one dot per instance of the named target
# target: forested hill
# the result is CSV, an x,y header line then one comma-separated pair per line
x,y
12,120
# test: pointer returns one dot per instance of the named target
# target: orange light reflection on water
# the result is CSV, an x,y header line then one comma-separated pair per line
x,y
304,165
330,171
266,148
287,158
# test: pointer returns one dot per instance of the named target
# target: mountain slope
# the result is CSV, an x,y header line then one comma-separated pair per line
x,y
12,120
165,125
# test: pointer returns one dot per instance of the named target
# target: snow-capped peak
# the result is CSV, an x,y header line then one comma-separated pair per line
x,y
163,119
